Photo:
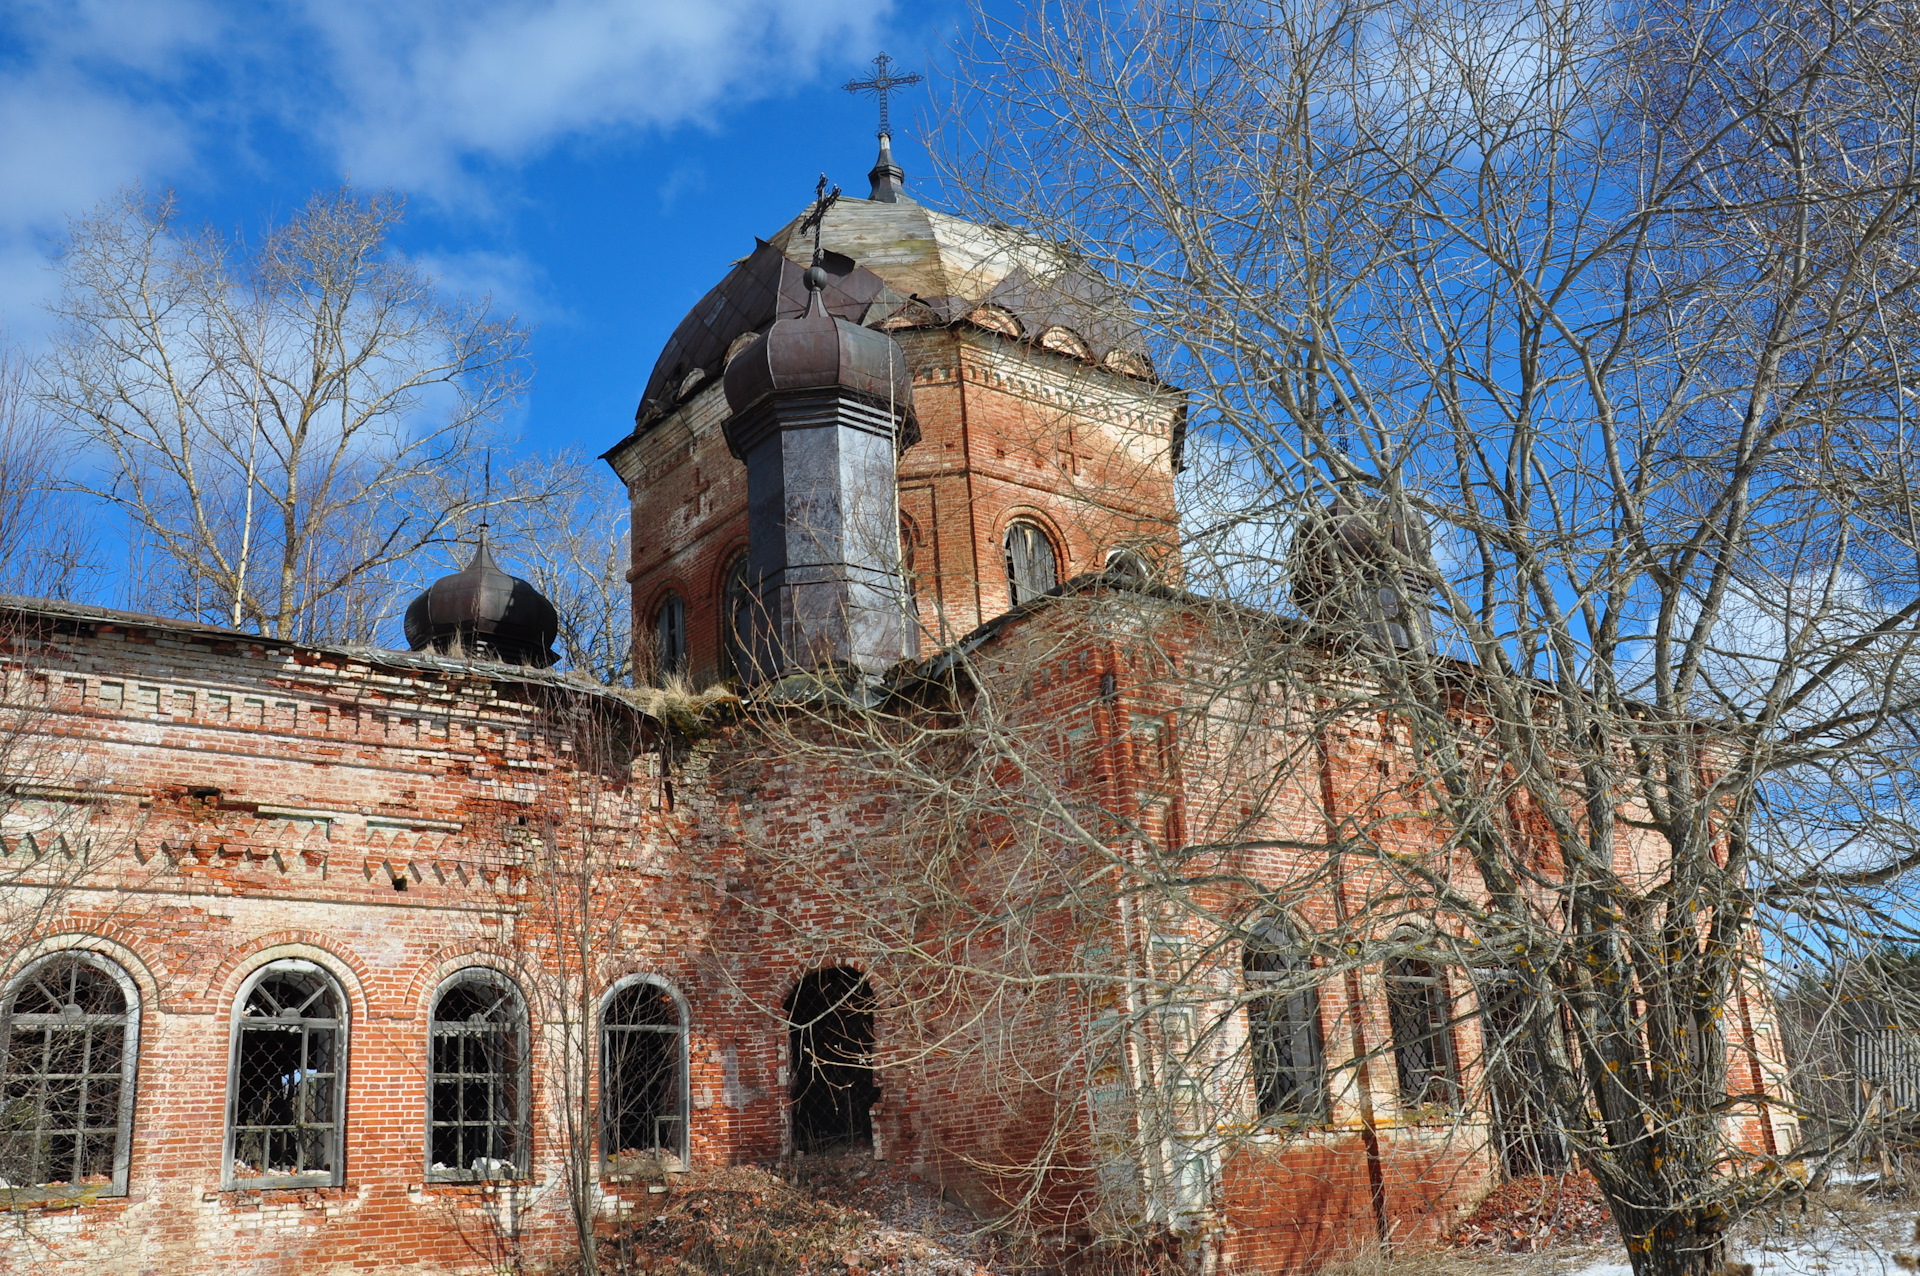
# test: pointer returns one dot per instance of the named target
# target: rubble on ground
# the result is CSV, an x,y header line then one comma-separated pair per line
x,y
1525,1215
821,1216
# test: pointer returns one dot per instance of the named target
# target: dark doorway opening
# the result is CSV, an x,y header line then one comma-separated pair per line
x,y
830,1019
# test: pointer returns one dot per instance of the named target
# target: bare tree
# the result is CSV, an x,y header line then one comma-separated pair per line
x,y
611,1043
1551,429
281,421
43,552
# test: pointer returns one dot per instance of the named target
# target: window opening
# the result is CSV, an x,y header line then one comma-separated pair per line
x,y
910,580
68,1036
1283,1026
1031,570
642,1079
739,608
830,1040
1422,1043
670,636
478,1108
1127,565
288,1084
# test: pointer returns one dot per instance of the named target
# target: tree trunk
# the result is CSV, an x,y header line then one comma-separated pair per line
x,y
1671,1242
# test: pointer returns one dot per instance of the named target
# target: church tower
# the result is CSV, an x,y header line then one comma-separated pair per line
x,y
1045,448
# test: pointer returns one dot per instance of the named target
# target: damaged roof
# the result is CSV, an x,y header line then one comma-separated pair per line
x,y
902,265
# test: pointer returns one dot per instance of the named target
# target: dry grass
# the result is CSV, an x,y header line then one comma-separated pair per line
x,y
675,702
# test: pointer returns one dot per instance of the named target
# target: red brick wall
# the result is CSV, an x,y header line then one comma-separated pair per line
x,y
339,774
1007,430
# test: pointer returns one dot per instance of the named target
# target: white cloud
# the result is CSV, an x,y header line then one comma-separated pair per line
x,y
515,284
433,96
421,89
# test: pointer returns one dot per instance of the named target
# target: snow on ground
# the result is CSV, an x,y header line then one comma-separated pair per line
x,y
1865,1239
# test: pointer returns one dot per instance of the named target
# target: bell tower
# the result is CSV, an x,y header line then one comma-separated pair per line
x,y
1040,444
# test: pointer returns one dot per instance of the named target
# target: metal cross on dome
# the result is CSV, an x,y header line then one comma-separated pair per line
x,y
884,81
822,201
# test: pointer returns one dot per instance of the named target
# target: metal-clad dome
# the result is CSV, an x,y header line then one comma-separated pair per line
x,y
1356,564
482,611
820,351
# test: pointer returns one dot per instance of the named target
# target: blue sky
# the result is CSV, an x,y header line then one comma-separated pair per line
x,y
593,164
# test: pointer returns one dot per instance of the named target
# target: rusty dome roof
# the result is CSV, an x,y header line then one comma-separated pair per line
x,y
818,351
901,264
482,611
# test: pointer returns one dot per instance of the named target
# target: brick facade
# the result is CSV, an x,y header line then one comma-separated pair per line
x,y
193,804
243,801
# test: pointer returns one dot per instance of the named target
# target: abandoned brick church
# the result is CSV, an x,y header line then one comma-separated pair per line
x,y
270,1008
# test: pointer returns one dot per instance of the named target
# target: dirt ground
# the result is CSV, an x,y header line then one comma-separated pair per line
x,y
852,1216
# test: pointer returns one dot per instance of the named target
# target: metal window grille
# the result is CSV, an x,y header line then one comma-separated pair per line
x,y
642,1080
670,635
477,1106
68,1035
288,1080
1887,1060
1031,570
1283,1026
1422,1045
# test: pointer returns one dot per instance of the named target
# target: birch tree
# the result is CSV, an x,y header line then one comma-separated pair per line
x,y
280,421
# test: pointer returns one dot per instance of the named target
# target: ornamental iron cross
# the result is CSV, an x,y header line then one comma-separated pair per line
x,y
822,201
882,83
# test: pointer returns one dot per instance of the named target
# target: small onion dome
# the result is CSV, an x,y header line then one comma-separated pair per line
x,y
1355,562
819,352
482,611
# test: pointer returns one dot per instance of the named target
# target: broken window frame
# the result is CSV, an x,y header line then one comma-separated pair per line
x,y
610,1165
1127,564
1418,1019
518,1070
127,1020
670,636
339,1023
1292,1014
1028,548
738,606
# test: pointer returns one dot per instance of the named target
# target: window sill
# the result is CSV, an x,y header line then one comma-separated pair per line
x,y
59,1196
642,1168
282,1183
467,1178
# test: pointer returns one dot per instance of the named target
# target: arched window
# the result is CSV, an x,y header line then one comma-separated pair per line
x,y
69,1034
737,609
477,1090
670,636
643,1077
287,1084
1283,1025
1127,565
1031,570
1422,1042
910,579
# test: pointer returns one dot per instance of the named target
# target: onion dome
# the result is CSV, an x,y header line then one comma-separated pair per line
x,y
1356,564
481,611
819,351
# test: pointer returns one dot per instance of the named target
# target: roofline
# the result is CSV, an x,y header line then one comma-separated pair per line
x,y
937,667
495,670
